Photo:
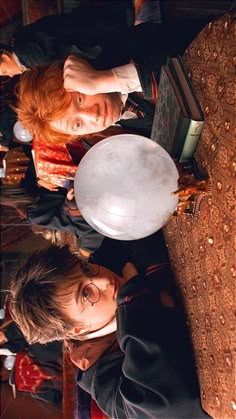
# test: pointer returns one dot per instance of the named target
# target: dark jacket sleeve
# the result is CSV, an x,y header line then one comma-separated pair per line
x,y
16,341
154,375
52,36
49,352
50,213
157,42
149,45
34,48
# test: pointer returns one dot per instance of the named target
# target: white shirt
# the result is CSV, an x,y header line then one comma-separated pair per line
x,y
127,78
128,81
22,66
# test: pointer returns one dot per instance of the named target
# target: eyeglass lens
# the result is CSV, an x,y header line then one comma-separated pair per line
x,y
91,293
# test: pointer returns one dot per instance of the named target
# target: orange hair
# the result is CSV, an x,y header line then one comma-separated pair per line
x,y
42,99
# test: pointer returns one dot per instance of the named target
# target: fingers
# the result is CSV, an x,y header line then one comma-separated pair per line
x,y
70,61
73,59
74,66
70,194
78,75
50,186
68,76
4,148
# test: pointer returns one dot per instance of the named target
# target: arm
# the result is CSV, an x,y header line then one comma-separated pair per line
x,y
35,46
80,76
148,46
51,213
154,377
142,55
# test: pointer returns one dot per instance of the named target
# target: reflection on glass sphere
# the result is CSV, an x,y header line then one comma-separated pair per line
x,y
21,133
123,187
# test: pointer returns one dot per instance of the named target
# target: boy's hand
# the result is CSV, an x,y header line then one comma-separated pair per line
x,y
129,271
70,194
3,338
80,76
3,147
48,185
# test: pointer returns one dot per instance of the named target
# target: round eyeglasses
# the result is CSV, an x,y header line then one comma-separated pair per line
x,y
90,293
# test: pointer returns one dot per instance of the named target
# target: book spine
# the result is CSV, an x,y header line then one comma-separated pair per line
x,y
191,140
181,132
189,83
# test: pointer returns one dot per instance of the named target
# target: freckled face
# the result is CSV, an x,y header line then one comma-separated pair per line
x,y
87,114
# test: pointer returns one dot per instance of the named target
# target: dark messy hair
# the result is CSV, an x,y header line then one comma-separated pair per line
x,y
38,291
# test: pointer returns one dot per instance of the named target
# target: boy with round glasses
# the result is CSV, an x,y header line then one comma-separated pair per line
x,y
135,358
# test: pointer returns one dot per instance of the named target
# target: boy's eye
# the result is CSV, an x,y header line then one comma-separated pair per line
x,y
78,124
90,293
85,294
80,101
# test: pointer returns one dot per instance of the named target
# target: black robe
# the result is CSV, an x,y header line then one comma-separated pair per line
x,y
51,37
49,212
153,375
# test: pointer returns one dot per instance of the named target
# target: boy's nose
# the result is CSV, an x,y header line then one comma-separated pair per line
x,y
102,283
90,114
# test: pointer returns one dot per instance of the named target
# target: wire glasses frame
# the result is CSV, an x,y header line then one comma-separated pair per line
x,y
90,292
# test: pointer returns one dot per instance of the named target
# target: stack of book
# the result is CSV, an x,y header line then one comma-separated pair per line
x,y
178,119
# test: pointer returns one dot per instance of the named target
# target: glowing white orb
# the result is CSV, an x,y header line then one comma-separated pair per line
x,y
123,187
21,133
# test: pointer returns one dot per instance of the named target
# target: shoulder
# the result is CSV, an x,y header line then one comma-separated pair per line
x,y
146,285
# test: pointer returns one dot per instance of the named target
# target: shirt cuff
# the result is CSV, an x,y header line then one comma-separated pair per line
x,y
127,78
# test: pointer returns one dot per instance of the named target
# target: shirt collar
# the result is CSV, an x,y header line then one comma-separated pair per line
x,y
22,67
